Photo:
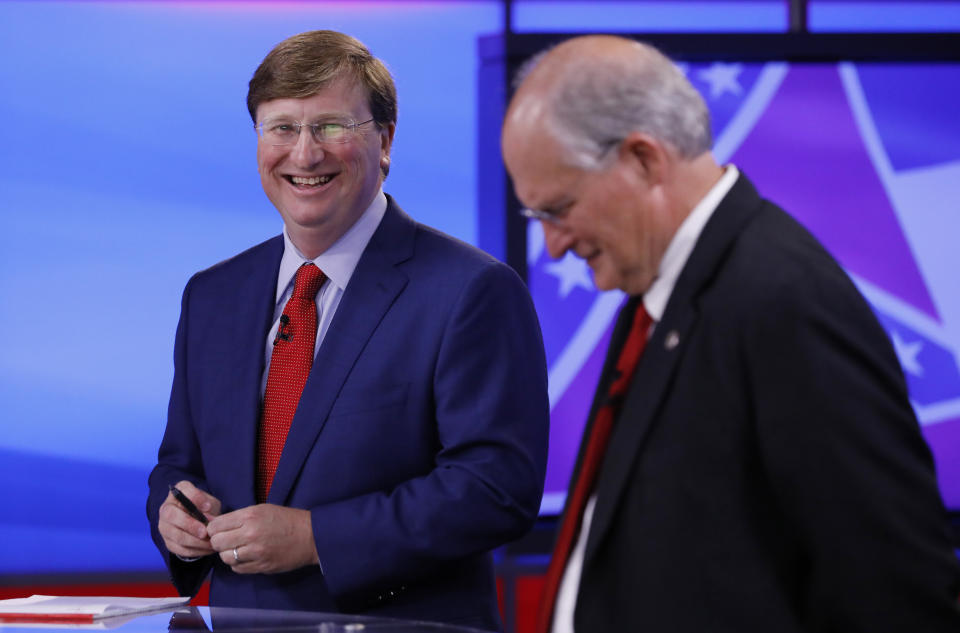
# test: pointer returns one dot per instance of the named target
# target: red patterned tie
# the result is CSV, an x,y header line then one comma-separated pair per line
x,y
596,445
289,367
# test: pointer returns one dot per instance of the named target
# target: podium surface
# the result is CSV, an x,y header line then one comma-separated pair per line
x,y
204,619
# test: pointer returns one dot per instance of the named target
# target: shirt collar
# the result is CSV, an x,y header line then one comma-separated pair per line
x,y
339,261
678,251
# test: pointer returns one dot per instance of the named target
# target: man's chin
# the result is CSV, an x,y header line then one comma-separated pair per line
x,y
306,215
603,283
602,279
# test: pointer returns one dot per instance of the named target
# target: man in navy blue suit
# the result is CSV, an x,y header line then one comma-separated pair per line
x,y
418,442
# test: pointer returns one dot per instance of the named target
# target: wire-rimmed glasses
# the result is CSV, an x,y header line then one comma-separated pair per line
x,y
281,132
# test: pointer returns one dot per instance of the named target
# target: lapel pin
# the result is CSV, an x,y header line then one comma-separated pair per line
x,y
671,341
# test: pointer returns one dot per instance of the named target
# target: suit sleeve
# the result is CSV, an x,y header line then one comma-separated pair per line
x,y
178,459
847,462
491,416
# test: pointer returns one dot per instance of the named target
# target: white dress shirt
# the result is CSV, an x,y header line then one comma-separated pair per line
x,y
337,262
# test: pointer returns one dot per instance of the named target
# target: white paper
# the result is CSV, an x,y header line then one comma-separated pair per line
x,y
96,606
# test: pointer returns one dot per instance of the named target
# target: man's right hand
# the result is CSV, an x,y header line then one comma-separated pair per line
x,y
182,534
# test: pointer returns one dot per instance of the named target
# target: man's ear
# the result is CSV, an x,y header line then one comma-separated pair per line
x,y
386,136
649,156
386,142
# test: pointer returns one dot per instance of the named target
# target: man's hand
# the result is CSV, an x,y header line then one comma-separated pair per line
x,y
182,534
264,539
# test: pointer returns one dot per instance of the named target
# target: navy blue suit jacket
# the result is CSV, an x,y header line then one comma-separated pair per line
x,y
419,442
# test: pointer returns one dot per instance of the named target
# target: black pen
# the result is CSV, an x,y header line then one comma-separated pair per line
x,y
191,509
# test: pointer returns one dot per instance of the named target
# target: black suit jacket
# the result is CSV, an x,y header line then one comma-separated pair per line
x,y
766,472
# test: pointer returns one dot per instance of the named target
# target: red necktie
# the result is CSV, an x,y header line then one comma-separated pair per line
x,y
596,446
289,367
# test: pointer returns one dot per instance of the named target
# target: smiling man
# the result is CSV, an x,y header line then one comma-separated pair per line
x,y
751,463
359,405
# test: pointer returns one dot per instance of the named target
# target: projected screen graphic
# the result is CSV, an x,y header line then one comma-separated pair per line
x,y
867,156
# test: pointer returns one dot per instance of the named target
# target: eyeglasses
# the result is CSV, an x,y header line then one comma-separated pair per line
x,y
544,216
284,132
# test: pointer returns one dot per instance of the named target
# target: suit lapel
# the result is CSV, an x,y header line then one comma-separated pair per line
x,y
651,382
374,286
254,313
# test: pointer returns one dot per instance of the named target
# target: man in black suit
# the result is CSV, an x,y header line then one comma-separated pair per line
x,y
762,469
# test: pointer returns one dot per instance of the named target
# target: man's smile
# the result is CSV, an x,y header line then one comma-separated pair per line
x,y
309,181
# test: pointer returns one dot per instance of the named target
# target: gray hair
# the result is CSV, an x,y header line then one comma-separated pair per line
x,y
599,102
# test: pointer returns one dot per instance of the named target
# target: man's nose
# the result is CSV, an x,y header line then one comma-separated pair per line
x,y
306,151
558,239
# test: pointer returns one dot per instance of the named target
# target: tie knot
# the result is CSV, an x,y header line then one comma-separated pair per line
x,y
308,282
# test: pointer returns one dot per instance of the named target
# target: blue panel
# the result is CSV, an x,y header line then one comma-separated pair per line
x,y
630,17
899,90
828,15
66,515
491,192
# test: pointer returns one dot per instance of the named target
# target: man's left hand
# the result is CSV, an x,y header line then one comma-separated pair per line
x,y
264,539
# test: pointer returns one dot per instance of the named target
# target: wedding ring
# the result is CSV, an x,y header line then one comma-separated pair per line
x,y
236,556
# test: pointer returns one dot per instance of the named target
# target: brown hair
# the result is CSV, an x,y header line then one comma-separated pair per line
x,y
303,65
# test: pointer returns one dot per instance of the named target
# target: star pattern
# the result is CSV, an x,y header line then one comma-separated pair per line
x,y
907,353
572,273
722,78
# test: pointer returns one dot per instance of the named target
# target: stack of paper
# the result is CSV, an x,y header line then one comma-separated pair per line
x,y
81,608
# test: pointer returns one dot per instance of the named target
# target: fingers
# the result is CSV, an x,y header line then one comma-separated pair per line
x,y
237,537
264,539
182,534
231,521
205,502
246,559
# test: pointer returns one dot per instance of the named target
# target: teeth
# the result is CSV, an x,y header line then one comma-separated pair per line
x,y
317,180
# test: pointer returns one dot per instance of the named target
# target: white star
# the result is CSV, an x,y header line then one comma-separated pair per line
x,y
722,78
907,353
572,273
